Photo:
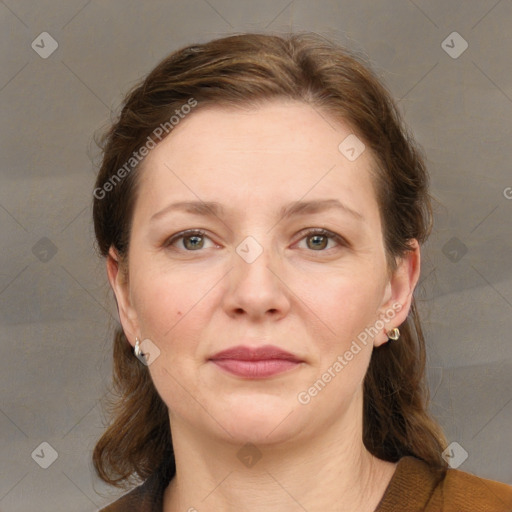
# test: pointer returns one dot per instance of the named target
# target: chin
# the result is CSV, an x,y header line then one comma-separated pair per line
x,y
263,421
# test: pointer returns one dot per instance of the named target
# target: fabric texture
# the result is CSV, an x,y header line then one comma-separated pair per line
x,y
414,487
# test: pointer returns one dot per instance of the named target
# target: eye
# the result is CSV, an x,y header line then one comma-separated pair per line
x,y
317,239
193,239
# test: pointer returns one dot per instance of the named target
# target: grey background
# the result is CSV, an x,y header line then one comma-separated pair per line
x,y
54,308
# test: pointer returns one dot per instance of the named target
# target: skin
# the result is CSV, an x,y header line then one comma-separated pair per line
x,y
313,302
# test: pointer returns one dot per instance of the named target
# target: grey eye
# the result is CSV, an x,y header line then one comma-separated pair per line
x,y
195,242
317,241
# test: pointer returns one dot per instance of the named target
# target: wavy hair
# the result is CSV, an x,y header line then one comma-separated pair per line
x,y
248,70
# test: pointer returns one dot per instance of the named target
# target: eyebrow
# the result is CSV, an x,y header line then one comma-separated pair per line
x,y
317,206
215,209
204,208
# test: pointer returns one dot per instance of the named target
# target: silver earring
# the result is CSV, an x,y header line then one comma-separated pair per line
x,y
394,334
137,351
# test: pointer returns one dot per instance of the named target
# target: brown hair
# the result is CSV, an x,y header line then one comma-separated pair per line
x,y
243,70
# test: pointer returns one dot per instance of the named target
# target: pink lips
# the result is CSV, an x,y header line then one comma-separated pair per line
x,y
258,362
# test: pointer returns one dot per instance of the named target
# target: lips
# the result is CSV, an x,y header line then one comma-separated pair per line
x,y
257,362
265,353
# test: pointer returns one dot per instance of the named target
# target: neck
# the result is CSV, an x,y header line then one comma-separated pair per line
x,y
332,471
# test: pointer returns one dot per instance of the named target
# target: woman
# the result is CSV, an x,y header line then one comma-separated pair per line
x,y
261,208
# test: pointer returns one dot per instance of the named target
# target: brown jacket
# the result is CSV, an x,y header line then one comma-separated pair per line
x,y
413,488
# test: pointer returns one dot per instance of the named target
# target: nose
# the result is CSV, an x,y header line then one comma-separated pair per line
x,y
257,289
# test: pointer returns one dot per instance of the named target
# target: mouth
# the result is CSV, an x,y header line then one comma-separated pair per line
x,y
254,363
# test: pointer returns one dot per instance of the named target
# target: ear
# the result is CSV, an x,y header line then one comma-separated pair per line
x,y
117,277
399,292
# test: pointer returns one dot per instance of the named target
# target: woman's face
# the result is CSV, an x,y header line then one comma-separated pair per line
x,y
258,276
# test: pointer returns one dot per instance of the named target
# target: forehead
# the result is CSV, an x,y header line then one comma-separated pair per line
x,y
249,157
278,125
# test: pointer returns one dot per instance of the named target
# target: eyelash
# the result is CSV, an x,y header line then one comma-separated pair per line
x,y
313,231
324,232
184,234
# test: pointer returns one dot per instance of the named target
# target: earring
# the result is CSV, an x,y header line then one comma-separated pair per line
x,y
394,334
137,351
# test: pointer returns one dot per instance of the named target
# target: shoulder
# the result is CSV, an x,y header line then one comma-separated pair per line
x,y
416,486
463,491
147,497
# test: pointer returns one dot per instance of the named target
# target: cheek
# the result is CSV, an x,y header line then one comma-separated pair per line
x,y
158,308
342,345
169,308
166,301
344,305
